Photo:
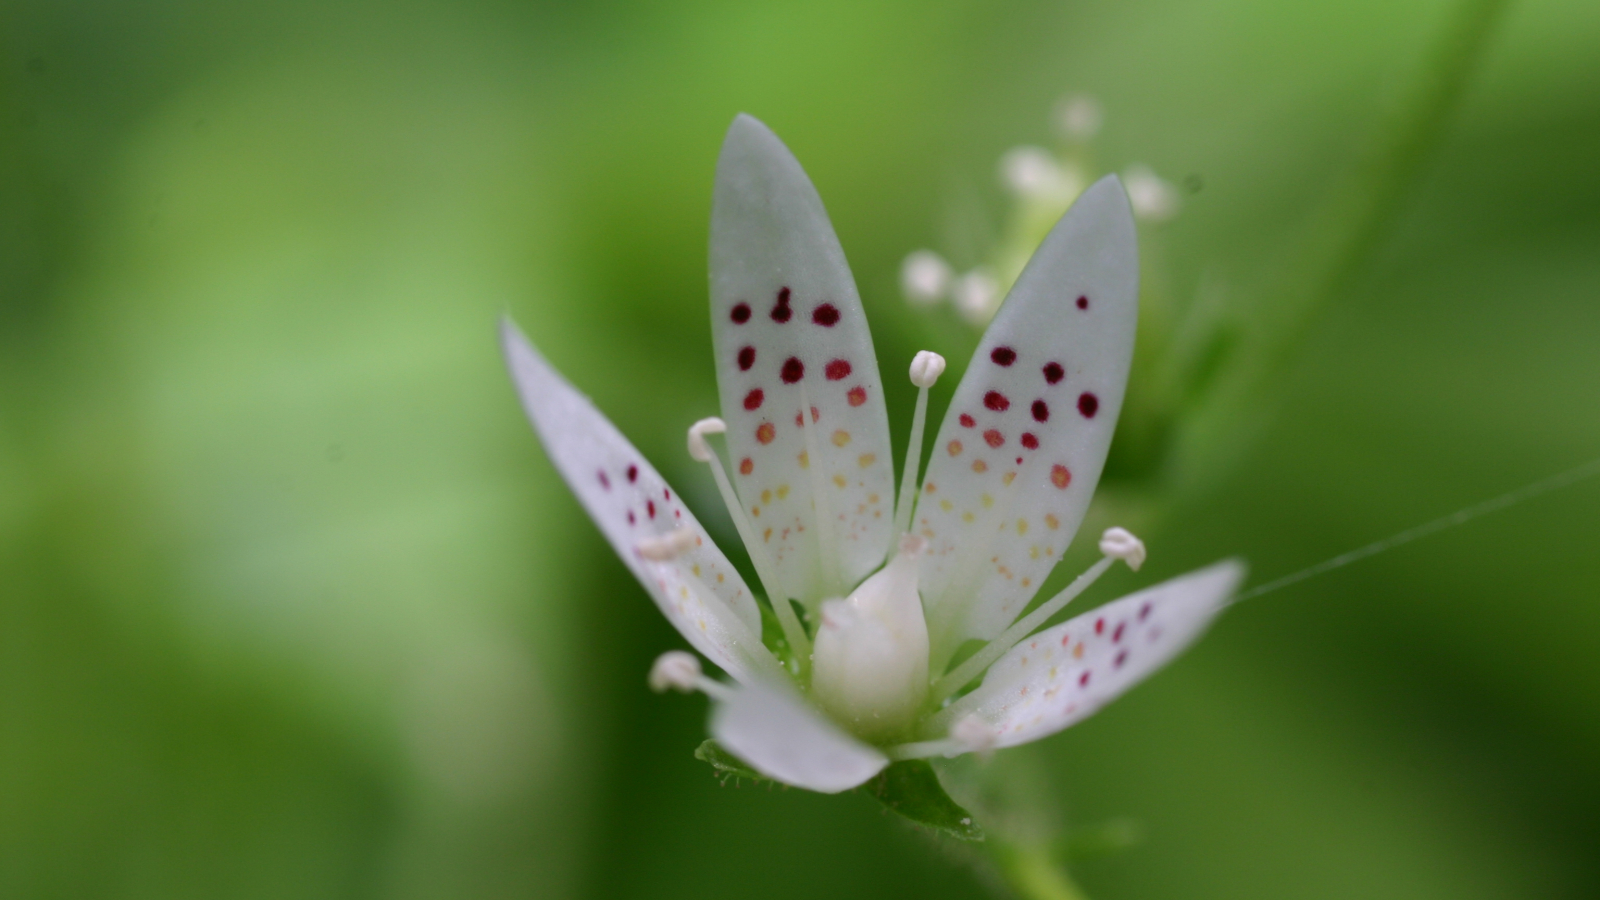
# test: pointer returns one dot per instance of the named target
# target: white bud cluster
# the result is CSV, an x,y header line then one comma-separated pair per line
x,y
675,670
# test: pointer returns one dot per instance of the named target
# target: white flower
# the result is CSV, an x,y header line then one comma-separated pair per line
x,y
1154,198
1079,116
1031,173
813,496
924,277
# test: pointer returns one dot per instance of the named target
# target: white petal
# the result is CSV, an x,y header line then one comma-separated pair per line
x,y
1025,438
1064,674
790,336
698,590
771,728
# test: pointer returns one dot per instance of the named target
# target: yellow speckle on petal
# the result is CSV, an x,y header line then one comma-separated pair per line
x,y
841,438
1008,477
783,491
1077,652
979,465
966,517
946,505
719,578
1033,552
929,487
683,591
987,501
696,570
755,511
954,448
1027,582
1051,520
839,480
866,459
805,461
1022,526
767,536
766,496
872,498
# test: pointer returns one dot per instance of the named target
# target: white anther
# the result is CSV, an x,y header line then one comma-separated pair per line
x,y
926,367
924,277
973,734
976,294
667,546
699,450
675,670
1119,543
1079,117
1152,197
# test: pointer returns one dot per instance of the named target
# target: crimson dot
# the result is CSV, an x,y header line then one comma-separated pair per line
x,y
837,369
1122,657
1088,404
1003,356
825,315
1083,680
1053,372
740,314
1041,411
996,401
1019,460
753,399
1099,626
630,517
793,370
1116,636
993,438
1029,441
1083,302
650,507
747,358
666,494
633,474
967,421
1144,612
782,312
604,481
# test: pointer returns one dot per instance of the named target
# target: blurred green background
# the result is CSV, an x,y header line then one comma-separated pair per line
x,y
292,605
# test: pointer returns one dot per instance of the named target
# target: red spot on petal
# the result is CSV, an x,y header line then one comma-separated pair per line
x,y
740,313
967,421
800,420
1029,441
996,401
837,370
1088,404
765,433
793,370
747,358
857,395
604,481
1060,477
1099,626
1083,680
630,517
650,507
753,399
1083,302
781,312
666,494
1116,635
1122,657
1019,460
994,438
746,466
1053,372
1041,411
1144,612
825,315
633,474
1066,639
1003,356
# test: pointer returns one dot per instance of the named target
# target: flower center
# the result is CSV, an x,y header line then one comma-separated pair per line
x,y
870,662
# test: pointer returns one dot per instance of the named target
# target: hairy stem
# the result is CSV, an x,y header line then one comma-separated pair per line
x,y
1033,875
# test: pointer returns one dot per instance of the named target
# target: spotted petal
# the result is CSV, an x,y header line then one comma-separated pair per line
x,y
770,727
1022,445
1062,675
697,589
807,431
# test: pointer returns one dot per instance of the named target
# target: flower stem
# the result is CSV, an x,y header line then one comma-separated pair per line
x,y
1033,875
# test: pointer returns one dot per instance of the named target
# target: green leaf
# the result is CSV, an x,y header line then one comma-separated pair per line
x,y
912,789
726,764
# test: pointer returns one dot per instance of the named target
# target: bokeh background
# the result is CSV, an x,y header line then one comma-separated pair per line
x,y
292,605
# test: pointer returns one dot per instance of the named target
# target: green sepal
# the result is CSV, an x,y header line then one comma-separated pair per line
x,y
724,763
912,789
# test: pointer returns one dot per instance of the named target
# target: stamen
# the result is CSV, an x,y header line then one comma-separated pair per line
x,y
926,367
970,734
1116,543
701,451
680,671
667,546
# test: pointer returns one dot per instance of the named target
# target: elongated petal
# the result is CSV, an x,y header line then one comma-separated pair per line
x,y
1025,438
772,729
693,583
807,431
1064,674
